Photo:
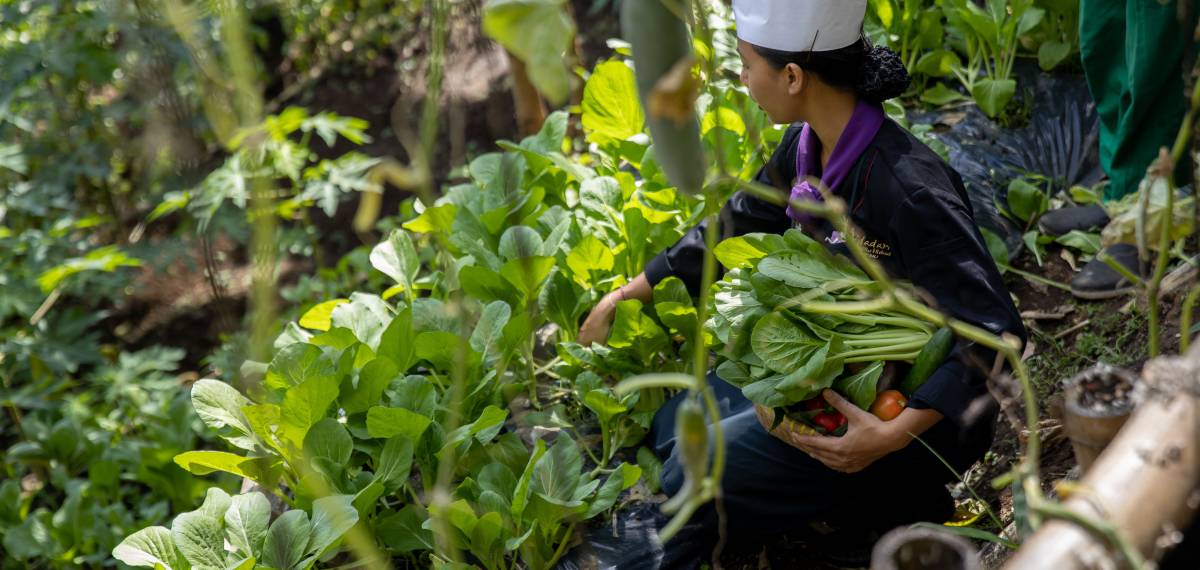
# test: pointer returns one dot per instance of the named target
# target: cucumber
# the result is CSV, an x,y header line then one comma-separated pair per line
x,y
659,40
928,360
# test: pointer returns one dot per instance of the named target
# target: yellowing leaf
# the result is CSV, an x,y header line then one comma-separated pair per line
x,y
318,317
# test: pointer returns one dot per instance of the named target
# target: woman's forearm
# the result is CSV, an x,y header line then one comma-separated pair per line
x,y
910,423
639,288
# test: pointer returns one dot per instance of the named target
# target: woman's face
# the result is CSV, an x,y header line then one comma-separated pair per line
x,y
773,89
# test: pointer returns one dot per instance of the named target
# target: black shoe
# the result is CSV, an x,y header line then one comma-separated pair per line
x,y
1063,220
1097,281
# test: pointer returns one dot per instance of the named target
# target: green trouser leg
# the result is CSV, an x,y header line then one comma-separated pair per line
x,y
1132,53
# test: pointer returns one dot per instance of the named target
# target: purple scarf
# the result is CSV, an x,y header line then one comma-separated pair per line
x,y
859,132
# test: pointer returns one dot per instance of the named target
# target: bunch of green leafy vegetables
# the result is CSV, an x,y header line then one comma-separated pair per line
x,y
778,350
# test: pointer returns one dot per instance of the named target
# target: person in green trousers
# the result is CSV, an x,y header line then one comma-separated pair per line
x,y
1132,53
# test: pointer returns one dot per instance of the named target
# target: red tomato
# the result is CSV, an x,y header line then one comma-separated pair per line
x,y
888,405
817,403
828,421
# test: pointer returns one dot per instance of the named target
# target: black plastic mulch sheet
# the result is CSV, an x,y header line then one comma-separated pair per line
x,y
1058,142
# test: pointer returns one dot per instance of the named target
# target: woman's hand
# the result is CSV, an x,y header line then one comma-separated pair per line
x,y
595,326
867,438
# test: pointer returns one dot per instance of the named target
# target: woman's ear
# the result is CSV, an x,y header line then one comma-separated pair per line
x,y
795,77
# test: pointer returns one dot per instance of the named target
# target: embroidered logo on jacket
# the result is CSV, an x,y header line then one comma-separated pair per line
x,y
874,247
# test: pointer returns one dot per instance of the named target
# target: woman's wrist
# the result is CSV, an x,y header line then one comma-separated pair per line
x,y
912,422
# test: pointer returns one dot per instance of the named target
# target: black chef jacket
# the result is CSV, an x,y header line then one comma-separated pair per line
x,y
917,222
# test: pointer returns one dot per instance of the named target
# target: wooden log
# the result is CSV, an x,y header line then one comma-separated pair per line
x,y
918,548
1146,483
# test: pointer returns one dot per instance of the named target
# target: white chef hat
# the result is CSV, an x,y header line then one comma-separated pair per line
x,y
800,25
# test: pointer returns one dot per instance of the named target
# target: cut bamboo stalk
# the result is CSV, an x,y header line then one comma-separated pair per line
x,y
923,549
1145,483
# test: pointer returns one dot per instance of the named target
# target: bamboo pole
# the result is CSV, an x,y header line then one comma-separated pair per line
x,y
923,549
1146,483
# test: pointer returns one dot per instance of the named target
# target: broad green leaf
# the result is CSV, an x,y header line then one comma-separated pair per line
x,y
367,498
745,251
318,317
486,338
861,387
672,290
486,532
397,258
939,95
441,350
723,117
390,422
604,404
539,32
499,479
1030,20
244,564
521,494
589,258
488,425
992,95
996,246
200,540
1051,54
306,404
153,547
287,540
632,328
520,241
624,477
216,502
783,345
556,477
396,342
246,523
651,468
219,406
403,531
373,378
809,272
1027,202
559,301
105,259
329,440
460,515
937,63
550,138
205,462
486,285
332,517
610,108
395,461
1088,243
297,363
366,316
434,219
527,274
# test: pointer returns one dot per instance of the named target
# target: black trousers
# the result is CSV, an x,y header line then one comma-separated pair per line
x,y
770,487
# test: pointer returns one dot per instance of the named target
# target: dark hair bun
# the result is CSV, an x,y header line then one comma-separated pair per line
x,y
883,75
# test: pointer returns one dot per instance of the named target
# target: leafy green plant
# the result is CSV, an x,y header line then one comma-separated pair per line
x,y
916,32
1056,39
989,39
780,348
197,539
